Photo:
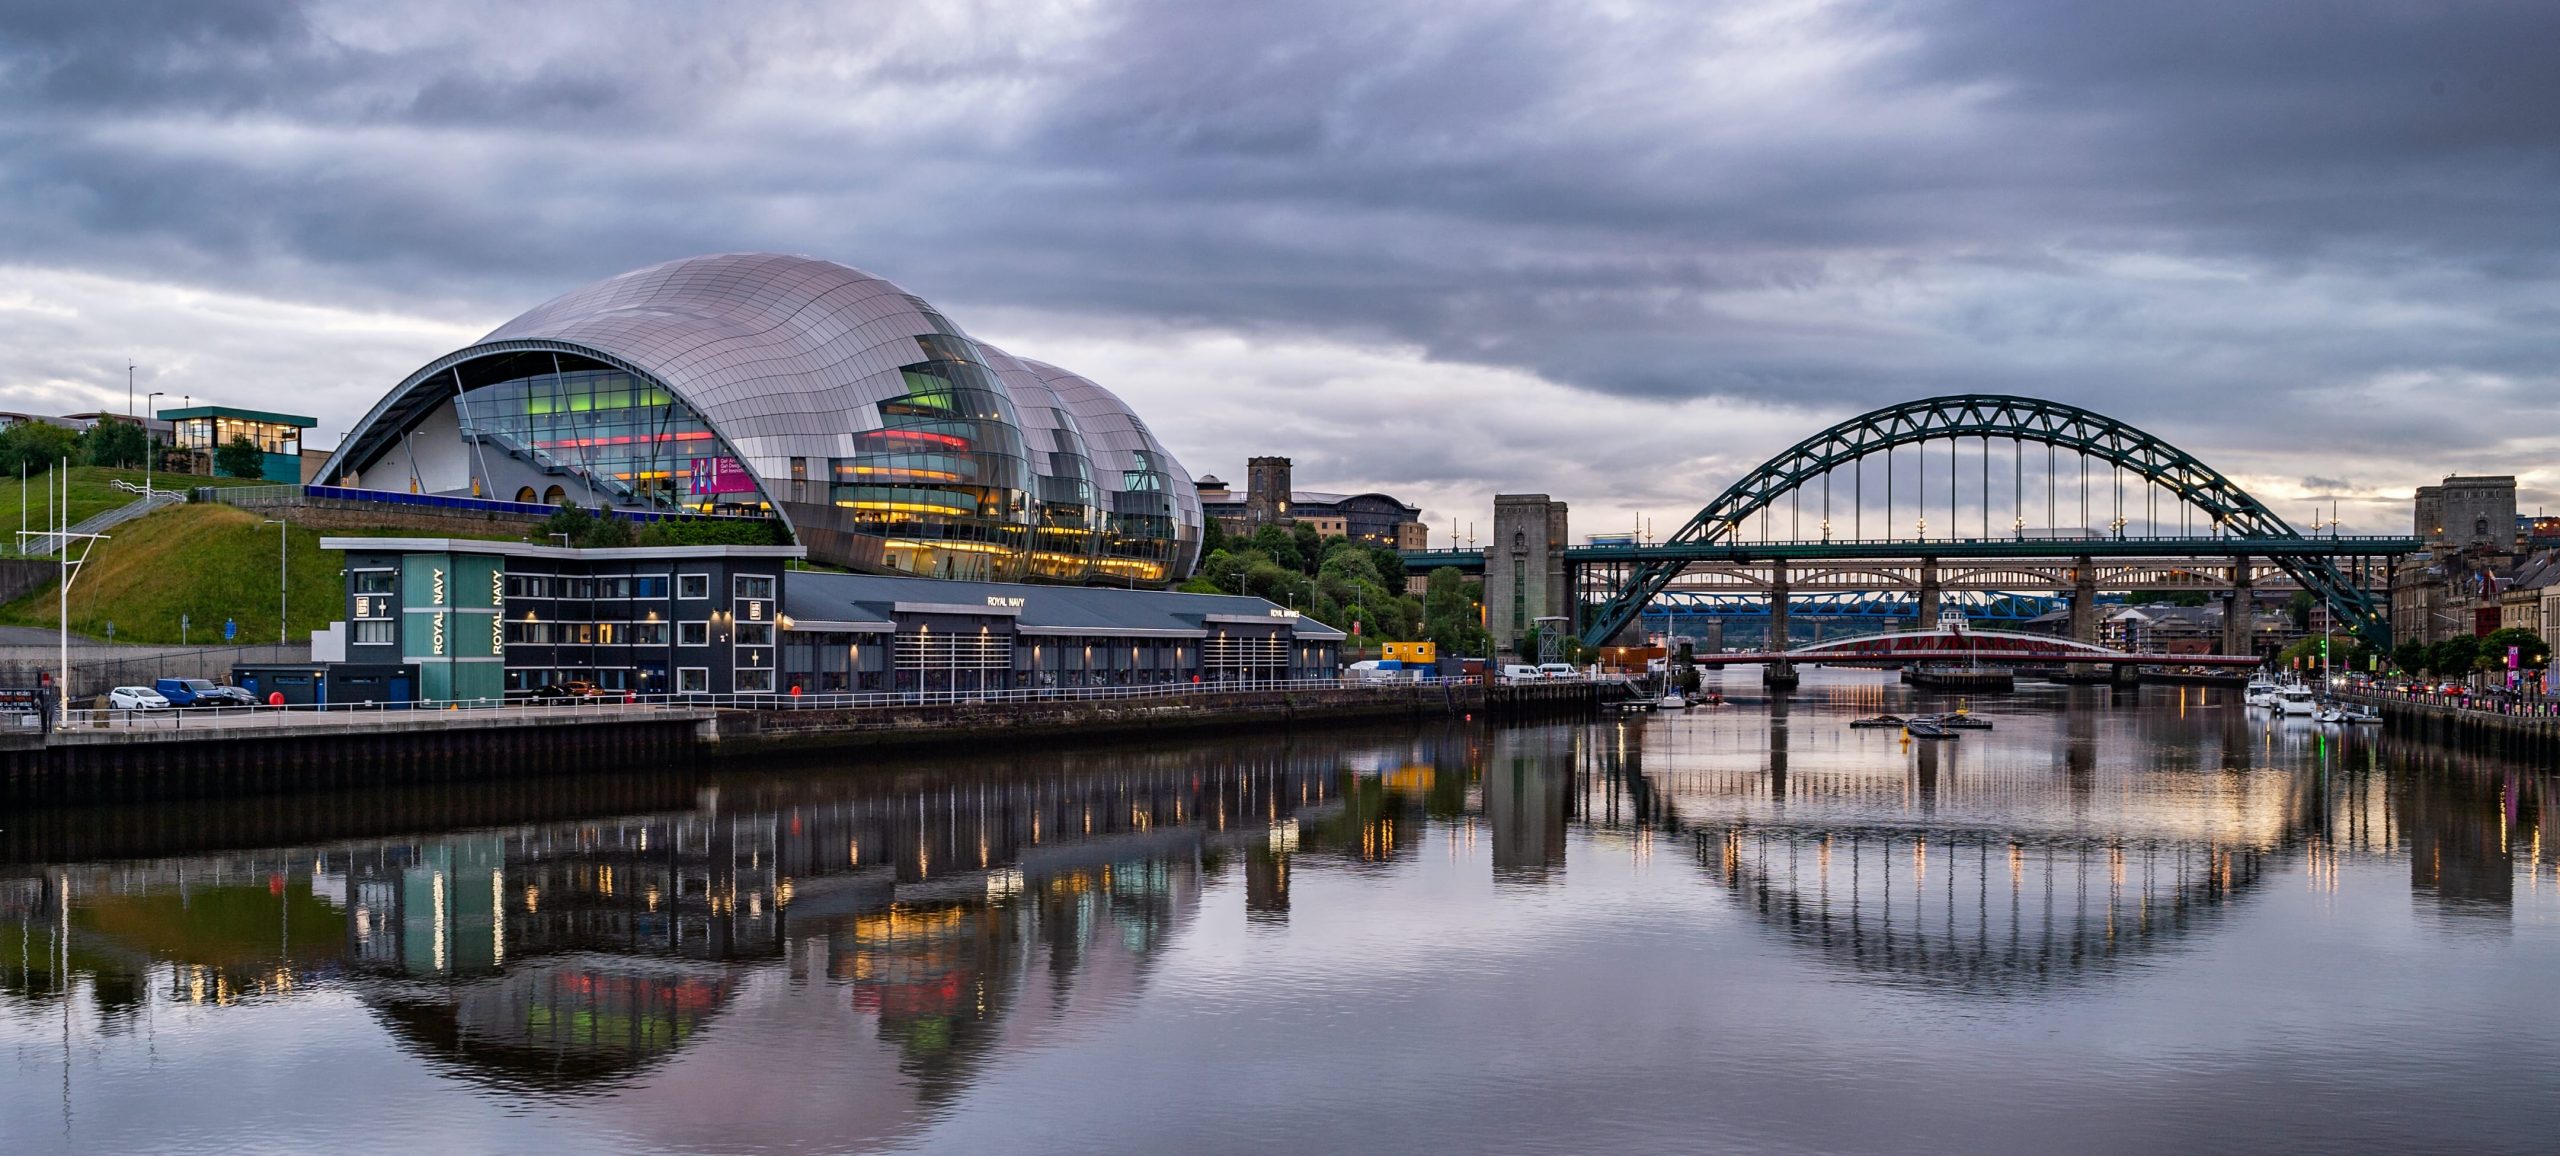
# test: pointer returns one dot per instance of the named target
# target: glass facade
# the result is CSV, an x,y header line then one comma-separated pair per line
x,y
944,482
888,440
625,441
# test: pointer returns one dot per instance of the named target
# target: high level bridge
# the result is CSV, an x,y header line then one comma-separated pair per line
x,y
2120,510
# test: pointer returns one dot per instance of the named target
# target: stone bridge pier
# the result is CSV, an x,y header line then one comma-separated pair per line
x,y
1779,675
1927,618
2240,614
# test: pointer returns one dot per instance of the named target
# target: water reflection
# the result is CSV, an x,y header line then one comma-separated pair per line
x,y
909,937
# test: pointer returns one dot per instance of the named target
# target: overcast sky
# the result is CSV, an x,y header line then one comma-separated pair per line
x,y
1615,251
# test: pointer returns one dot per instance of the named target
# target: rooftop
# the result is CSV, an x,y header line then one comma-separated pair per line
x,y
268,416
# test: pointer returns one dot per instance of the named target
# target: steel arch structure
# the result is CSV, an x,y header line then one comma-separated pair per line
x,y
2238,516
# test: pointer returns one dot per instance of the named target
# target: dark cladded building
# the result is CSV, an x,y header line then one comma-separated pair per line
x,y
480,619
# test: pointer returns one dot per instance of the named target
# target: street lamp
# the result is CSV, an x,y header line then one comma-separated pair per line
x,y
147,453
280,578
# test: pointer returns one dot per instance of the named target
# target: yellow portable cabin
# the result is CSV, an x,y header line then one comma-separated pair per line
x,y
1410,653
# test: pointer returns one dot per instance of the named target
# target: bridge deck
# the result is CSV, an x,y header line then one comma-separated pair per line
x,y
2059,549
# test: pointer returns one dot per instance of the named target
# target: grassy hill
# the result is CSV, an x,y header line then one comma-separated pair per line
x,y
93,491
204,560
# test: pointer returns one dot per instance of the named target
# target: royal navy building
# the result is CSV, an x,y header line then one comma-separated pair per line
x,y
484,619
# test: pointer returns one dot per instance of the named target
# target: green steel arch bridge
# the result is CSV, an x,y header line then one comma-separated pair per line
x,y
2212,518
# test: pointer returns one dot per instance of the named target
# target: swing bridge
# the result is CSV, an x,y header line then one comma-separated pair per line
x,y
2043,504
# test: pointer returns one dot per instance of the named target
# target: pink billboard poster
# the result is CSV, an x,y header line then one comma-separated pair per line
x,y
714,476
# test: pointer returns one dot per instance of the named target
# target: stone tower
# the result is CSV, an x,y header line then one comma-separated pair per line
x,y
1524,566
1266,492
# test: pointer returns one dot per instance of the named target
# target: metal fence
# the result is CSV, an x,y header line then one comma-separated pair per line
x,y
637,707
2475,703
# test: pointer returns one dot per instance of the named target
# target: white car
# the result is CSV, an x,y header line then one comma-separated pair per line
x,y
135,698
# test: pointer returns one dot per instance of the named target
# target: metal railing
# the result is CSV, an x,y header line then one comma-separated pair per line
x,y
2477,703
601,706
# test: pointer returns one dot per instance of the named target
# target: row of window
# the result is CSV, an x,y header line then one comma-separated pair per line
x,y
690,587
628,634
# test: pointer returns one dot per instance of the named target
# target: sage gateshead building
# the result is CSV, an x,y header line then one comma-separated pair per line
x,y
884,438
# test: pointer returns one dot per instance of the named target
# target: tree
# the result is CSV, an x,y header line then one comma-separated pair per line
x,y
2410,656
2454,655
35,446
1310,546
1213,536
120,444
1451,606
2535,651
240,458
1279,545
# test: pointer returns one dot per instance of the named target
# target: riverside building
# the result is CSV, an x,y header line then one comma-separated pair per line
x,y
883,437
484,619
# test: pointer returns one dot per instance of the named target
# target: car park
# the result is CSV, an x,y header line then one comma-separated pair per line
x,y
135,698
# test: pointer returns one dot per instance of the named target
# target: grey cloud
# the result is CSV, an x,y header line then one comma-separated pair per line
x,y
2213,220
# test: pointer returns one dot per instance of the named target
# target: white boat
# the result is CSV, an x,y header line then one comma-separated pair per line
x,y
1671,701
2350,715
2261,693
2296,700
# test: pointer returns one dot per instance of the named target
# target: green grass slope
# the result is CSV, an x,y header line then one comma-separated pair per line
x,y
204,560
92,491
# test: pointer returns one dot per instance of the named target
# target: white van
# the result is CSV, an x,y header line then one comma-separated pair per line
x,y
1515,672
1558,670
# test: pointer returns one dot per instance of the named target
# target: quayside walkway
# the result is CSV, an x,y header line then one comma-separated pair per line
x,y
140,755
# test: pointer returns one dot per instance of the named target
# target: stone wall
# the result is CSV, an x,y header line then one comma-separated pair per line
x,y
743,732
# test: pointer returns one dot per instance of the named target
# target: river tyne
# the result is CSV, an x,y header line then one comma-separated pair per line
x,y
2133,922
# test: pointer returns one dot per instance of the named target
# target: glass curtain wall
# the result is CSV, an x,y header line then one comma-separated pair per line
x,y
1145,536
945,482
1070,518
628,441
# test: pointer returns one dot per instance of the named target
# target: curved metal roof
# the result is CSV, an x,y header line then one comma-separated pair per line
x,y
783,357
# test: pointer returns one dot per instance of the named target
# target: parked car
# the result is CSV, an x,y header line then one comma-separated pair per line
x,y
547,692
1558,670
202,692
135,698
1516,672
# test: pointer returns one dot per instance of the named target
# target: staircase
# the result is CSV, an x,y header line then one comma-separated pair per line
x,y
41,544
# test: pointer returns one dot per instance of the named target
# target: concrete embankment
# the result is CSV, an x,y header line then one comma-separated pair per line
x,y
755,732
2527,736
173,759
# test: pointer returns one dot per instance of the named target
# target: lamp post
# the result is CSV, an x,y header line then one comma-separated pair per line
x,y
280,578
154,406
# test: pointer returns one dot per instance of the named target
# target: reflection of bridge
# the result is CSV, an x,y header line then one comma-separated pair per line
x,y
1991,647
1983,869
2215,536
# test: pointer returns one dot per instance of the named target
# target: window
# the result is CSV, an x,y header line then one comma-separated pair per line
x,y
370,582
693,680
693,586
528,633
755,585
375,631
528,586
755,634
649,586
648,634
616,587
693,634
755,682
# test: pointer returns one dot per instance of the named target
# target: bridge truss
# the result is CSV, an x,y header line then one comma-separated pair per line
x,y
2235,524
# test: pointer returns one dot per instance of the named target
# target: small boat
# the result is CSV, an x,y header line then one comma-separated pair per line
x,y
1920,728
1877,722
2296,701
2260,692
2349,715
1671,701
